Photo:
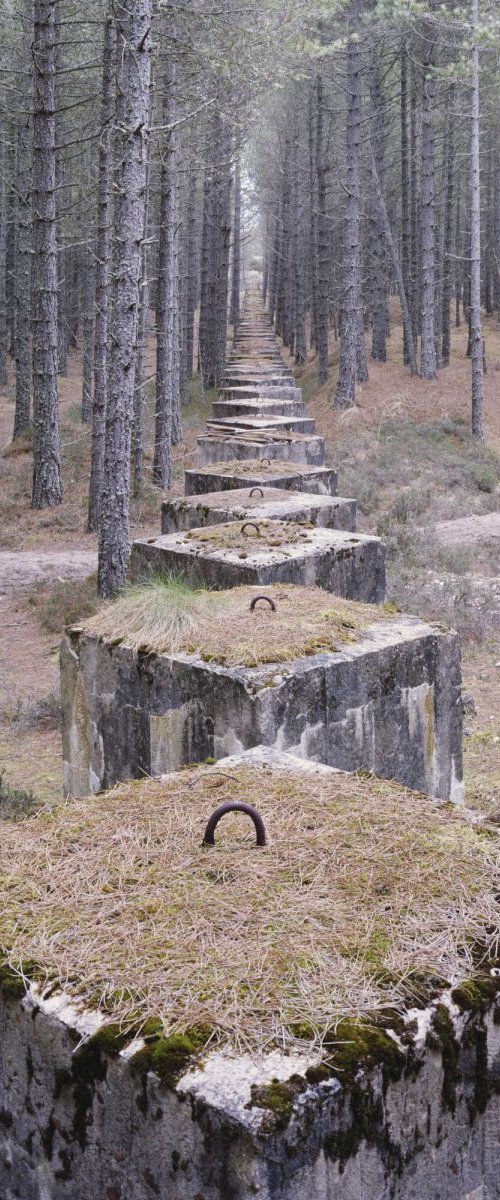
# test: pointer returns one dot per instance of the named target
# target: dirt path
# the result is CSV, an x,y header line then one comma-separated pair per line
x,y
469,530
21,570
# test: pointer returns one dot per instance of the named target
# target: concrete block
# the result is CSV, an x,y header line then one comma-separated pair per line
x,y
412,1114
258,407
261,390
221,556
288,447
388,702
255,424
217,477
329,512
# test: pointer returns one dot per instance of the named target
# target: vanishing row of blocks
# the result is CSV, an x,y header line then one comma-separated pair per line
x,y
386,699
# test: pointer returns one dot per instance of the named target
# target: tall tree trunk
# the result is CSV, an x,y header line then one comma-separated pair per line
x,y
88,332
475,236
102,269
352,322
386,226
236,264
3,257
428,230
134,52
405,190
47,484
448,232
323,240
22,281
377,247
167,306
192,265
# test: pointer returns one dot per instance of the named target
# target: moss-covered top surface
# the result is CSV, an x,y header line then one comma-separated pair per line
x,y
257,535
165,616
363,890
249,467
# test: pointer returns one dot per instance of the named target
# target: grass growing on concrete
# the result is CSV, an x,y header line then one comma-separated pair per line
x,y
362,888
166,616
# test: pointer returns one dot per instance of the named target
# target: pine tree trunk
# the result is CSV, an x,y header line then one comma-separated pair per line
x,y
236,264
47,484
378,298
22,282
88,333
192,267
167,307
405,190
3,258
134,54
323,241
428,231
475,237
386,226
102,255
351,353
448,234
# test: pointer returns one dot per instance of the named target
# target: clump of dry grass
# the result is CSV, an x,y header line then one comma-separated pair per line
x,y
361,884
64,602
165,616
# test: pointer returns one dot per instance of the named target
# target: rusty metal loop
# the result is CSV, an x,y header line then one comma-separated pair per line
x,y
253,524
256,489
265,459
269,601
234,806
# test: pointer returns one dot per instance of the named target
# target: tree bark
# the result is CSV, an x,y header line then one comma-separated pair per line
x,y
352,324
22,282
134,53
323,241
236,263
47,483
102,269
428,232
475,236
167,306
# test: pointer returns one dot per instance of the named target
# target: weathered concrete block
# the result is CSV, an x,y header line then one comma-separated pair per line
x,y
351,565
288,447
258,407
329,512
387,702
255,424
234,378
258,390
394,1108
217,477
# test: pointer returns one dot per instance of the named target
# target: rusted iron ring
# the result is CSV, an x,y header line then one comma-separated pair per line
x,y
253,524
266,459
256,489
269,601
234,806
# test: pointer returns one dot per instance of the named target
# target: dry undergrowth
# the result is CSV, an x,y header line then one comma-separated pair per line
x,y
361,885
165,616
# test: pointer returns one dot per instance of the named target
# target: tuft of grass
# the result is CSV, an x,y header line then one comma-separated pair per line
x,y
15,803
43,714
165,616
61,604
362,886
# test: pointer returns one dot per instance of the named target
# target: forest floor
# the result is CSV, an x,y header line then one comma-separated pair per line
x,y
403,452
